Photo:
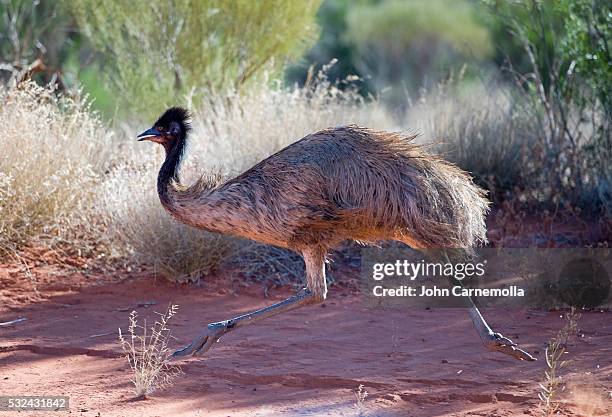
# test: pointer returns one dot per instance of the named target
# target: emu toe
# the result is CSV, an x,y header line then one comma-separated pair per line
x,y
499,343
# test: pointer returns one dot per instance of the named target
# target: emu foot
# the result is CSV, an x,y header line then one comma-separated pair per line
x,y
499,343
204,342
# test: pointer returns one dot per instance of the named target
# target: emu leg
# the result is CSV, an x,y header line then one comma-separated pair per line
x,y
214,331
496,341
314,260
493,341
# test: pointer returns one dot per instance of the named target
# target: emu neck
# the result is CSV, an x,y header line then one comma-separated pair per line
x,y
168,178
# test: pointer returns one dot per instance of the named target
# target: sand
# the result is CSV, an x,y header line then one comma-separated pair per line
x,y
305,363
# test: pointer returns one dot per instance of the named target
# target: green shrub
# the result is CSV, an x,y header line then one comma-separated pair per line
x,y
155,53
567,96
408,45
31,29
398,46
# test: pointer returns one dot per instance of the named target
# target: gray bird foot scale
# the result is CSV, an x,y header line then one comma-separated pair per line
x,y
202,343
499,343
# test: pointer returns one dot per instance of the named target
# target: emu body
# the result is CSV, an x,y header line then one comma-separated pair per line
x,y
344,183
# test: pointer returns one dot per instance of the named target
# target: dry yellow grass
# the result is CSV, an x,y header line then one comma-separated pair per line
x,y
53,153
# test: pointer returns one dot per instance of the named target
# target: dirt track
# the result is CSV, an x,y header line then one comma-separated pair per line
x,y
305,363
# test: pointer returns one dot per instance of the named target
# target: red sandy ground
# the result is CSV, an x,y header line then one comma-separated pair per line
x,y
305,363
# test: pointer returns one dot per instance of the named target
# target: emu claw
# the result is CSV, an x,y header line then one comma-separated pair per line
x,y
499,343
201,344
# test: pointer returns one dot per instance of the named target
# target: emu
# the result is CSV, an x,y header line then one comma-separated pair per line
x,y
338,184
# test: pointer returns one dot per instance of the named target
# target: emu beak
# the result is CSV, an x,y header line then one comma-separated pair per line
x,y
148,134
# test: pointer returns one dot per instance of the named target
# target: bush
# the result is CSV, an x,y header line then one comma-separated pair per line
x,y
566,100
157,52
53,154
397,46
500,135
31,29
544,141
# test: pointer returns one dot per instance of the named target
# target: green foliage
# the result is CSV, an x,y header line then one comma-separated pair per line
x,y
400,25
31,29
398,44
512,22
588,26
332,45
566,74
570,34
156,53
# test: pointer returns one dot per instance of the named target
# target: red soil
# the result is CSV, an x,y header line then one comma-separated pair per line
x,y
305,363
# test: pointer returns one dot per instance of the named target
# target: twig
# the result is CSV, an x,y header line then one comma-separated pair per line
x,y
100,335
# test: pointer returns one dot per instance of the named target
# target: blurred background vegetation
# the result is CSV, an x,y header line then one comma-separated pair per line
x,y
139,56
516,92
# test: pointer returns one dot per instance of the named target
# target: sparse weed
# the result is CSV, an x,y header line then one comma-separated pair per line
x,y
147,352
553,384
360,398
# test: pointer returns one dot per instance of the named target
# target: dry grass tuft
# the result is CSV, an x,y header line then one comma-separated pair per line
x,y
480,130
53,153
270,265
498,134
553,383
234,131
147,352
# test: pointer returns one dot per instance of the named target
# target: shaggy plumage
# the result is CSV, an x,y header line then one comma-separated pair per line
x,y
337,184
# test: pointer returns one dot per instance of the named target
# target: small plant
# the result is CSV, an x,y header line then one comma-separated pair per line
x,y
148,353
360,396
553,382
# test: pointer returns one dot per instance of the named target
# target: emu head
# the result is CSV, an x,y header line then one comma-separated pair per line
x,y
171,128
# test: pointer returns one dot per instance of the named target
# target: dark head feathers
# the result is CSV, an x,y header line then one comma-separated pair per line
x,y
178,115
